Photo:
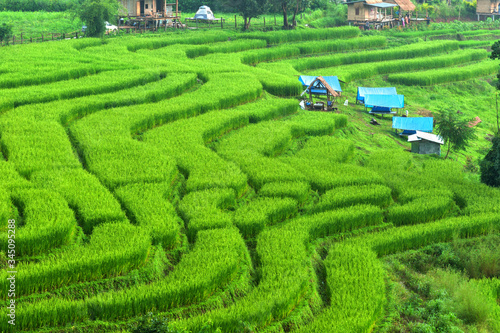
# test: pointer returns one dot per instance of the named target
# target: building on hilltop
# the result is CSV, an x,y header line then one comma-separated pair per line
x,y
150,7
487,8
370,12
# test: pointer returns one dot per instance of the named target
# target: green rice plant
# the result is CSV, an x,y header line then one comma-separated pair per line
x,y
416,236
356,290
336,150
218,257
253,218
114,249
92,202
253,57
37,145
45,313
185,141
324,175
276,37
427,78
279,67
480,32
152,212
100,83
475,43
4,207
155,42
277,84
226,47
296,190
102,134
285,270
341,45
48,223
377,195
403,52
423,209
415,34
206,210
9,177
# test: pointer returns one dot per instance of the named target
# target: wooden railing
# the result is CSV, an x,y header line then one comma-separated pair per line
x,y
44,37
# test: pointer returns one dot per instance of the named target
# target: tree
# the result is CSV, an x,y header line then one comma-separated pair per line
x,y
95,12
490,165
247,8
455,130
5,32
288,7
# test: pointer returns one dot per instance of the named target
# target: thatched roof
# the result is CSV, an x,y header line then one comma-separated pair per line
x,y
405,4
326,85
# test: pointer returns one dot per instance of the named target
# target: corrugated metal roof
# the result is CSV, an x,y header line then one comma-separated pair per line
x,y
424,124
425,136
382,5
387,101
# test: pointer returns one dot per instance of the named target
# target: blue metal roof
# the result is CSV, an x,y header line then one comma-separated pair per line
x,y
382,4
387,101
362,91
424,124
333,81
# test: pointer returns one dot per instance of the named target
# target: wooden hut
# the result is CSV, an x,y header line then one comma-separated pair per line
x,y
487,8
148,14
374,12
150,7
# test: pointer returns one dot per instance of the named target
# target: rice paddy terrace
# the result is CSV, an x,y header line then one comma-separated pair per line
x,y
176,175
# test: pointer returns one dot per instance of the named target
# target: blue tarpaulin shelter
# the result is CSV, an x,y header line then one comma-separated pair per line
x,y
412,125
332,81
385,101
363,91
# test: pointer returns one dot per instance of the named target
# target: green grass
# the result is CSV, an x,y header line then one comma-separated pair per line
x,y
34,24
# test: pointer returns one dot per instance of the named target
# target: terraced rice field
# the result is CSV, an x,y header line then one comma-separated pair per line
x,y
176,175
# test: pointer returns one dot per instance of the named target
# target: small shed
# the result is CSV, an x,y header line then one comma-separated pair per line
x,y
383,104
204,13
425,143
319,85
410,125
362,91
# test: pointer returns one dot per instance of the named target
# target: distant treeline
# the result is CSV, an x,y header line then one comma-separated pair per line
x,y
36,5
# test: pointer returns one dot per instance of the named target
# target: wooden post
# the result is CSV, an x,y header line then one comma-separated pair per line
x,y
76,34
42,37
196,23
13,40
52,36
264,21
235,22
31,39
21,38
274,19
221,23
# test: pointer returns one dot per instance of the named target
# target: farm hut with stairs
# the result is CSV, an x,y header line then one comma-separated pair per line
x,y
374,12
487,8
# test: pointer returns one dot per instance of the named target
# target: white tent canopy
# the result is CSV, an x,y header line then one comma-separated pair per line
x,y
204,13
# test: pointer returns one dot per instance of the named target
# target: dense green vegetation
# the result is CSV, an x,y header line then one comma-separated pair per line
x,y
175,174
